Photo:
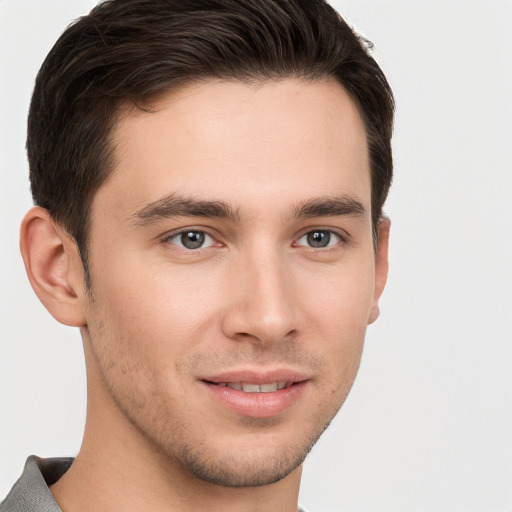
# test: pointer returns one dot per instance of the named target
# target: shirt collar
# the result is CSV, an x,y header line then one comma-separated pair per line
x,y
31,491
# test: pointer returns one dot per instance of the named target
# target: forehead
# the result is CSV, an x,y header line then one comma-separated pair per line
x,y
244,143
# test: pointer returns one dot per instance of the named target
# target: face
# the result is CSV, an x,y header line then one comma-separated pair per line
x,y
233,273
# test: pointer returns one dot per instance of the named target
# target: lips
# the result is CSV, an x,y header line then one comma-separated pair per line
x,y
257,394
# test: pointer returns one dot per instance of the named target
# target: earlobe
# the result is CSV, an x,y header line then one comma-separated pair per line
x,y
381,267
53,267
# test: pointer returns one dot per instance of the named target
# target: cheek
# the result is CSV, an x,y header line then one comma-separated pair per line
x,y
341,313
157,309
345,296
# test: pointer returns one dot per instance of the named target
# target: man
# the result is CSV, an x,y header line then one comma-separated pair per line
x,y
209,178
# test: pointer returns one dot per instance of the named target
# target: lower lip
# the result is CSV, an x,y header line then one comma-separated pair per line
x,y
257,405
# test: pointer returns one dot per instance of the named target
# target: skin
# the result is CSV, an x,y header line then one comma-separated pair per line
x,y
159,317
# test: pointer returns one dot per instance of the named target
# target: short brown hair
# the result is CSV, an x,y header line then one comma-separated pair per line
x,y
131,50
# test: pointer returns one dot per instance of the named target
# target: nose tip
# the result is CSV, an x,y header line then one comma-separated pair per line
x,y
254,322
262,306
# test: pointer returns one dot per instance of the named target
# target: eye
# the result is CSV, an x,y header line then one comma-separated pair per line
x,y
319,239
191,240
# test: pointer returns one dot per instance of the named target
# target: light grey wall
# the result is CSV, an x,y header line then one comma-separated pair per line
x,y
428,426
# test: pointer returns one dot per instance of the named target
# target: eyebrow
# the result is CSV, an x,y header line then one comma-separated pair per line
x,y
329,207
175,205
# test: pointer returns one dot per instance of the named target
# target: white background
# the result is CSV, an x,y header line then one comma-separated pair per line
x,y
428,426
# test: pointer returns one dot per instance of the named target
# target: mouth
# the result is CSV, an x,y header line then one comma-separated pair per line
x,y
255,394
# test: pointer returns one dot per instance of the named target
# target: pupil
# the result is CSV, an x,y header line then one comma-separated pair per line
x,y
319,239
192,239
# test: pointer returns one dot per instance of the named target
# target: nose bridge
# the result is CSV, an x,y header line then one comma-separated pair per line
x,y
264,305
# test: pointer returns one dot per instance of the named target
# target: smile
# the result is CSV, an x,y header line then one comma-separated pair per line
x,y
257,394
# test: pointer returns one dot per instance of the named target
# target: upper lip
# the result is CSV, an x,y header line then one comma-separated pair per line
x,y
254,376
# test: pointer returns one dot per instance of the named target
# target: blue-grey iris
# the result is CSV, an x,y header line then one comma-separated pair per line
x,y
318,239
192,239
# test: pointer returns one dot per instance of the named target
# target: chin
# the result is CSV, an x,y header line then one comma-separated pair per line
x,y
243,465
244,469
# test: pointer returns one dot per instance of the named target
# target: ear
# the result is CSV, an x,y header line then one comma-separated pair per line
x,y
53,266
381,267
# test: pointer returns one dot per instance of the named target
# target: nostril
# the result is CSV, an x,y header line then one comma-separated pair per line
x,y
291,334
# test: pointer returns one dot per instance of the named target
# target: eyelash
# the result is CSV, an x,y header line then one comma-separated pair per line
x,y
339,239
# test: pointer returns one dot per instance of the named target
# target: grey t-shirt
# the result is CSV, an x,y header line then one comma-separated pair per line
x,y
31,493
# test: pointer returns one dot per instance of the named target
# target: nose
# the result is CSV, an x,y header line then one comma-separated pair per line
x,y
263,301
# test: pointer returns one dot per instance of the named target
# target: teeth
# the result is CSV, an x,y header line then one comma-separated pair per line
x,y
256,388
267,388
251,388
